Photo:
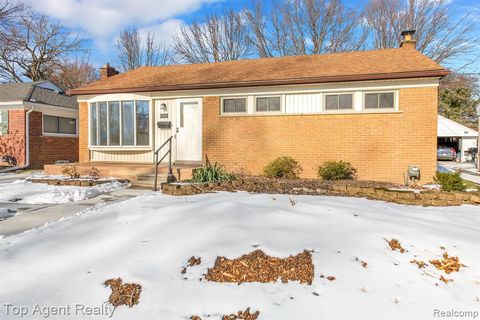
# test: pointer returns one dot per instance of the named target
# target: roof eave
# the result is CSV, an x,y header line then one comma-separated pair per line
x,y
440,73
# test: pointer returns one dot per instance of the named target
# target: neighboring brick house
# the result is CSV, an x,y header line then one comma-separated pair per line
x,y
38,125
376,109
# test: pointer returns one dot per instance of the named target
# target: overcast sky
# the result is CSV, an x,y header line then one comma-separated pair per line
x,y
101,20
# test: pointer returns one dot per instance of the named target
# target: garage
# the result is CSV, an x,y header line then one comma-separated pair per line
x,y
451,134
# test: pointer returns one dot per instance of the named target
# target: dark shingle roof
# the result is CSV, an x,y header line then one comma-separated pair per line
x,y
32,92
14,91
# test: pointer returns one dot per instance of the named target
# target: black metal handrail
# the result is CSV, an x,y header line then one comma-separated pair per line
x,y
157,162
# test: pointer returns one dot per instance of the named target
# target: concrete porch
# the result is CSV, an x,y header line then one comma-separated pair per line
x,y
140,174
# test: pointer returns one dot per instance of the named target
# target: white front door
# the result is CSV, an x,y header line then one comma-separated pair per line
x,y
189,130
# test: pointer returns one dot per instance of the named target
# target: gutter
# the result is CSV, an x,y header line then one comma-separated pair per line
x,y
27,145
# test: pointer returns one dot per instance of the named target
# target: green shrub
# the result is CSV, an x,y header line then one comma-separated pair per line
x,y
283,167
450,181
212,173
336,170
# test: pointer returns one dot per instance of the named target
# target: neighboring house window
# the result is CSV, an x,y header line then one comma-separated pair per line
x,y
234,105
267,104
339,101
59,125
120,123
380,100
3,122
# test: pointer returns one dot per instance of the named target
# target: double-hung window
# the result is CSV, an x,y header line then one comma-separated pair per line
x,y
234,105
59,125
267,104
380,100
339,101
120,123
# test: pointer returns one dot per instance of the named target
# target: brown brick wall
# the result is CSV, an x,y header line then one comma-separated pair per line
x,y
380,146
13,143
48,149
84,155
43,149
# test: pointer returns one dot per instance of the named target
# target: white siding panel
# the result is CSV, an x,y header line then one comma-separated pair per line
x,y
123,156
303,103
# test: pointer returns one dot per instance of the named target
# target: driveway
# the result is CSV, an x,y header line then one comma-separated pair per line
x,y
468,169
29,216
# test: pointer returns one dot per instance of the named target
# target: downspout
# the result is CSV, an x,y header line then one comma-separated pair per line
x,y
27,145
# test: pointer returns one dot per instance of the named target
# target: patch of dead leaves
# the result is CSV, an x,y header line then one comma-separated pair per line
x,y
193,261
259,267
395,245
442,278
123,294
448,264
420,264
241,315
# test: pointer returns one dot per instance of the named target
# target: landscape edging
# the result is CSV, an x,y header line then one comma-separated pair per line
x,y
422,198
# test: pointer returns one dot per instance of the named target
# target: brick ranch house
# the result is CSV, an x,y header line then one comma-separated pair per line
x,y
376,109
38,125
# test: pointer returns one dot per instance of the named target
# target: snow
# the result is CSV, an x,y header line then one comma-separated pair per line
x,y
23,191
149,239
6,213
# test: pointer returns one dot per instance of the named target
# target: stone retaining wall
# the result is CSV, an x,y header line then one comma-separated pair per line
x,y
73,182
422,198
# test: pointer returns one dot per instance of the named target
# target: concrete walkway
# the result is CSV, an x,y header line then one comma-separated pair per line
x,y
31,216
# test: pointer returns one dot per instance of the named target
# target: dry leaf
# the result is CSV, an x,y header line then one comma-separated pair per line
x,y
395,245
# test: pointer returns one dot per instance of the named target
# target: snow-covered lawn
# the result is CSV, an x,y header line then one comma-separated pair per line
x,y
6,213
23,191
149,239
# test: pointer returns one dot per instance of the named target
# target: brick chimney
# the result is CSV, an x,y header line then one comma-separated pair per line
x,y
407,39
107,71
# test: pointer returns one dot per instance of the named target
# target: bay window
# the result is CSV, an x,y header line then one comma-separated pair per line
x,y
120,123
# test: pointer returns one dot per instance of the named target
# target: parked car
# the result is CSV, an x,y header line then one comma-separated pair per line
x,y
446,153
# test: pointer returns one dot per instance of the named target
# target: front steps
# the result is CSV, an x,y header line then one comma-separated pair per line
x,y
147,181
141,175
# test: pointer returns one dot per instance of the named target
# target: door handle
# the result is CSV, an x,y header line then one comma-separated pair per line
x,y
177,129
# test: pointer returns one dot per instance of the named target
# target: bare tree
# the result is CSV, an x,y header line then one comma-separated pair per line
x,y
74,73
34,47
134,52
438,35
129,52
217,38
9,10
157,53
301,27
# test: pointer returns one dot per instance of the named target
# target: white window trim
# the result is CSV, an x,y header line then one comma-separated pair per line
x,y
339,111
281,111
1,122
234,113
120,147
59,135
380,110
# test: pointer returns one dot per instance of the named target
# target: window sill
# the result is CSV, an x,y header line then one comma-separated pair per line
x,y
59,135
325,113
